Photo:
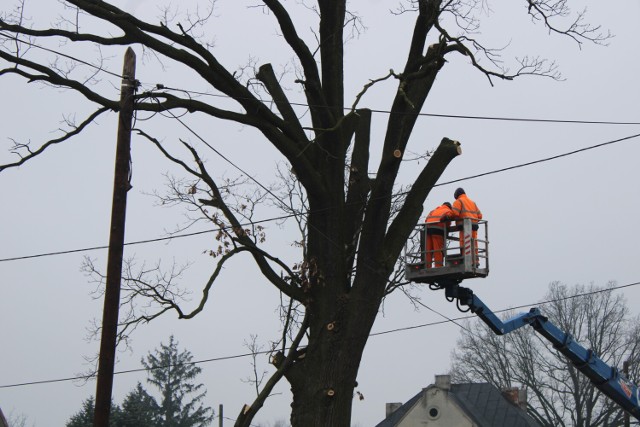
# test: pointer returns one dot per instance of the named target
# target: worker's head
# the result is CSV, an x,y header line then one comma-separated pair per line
x,y
458,192
447,204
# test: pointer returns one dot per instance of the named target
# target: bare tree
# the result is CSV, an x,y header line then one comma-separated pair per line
x,y
257,377
354,225
559,395
14,420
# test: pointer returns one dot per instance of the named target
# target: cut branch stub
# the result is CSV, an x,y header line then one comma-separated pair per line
x,y
301,354
277,359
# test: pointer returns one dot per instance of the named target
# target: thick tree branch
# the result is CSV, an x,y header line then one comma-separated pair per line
x,y
291,125
165,102
205,63
410,212
312,83
428,13
408,101
359,185
247,414
207,288
49,76
67,135
70,35
288,147
332,16
407,105
261,257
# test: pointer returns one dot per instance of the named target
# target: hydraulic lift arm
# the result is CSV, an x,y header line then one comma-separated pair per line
x,y
606,378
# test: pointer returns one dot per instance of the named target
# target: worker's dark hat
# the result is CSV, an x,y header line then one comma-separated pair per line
x,y
447,204
458,192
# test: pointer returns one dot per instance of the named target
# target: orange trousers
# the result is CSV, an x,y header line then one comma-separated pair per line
x,y
435,248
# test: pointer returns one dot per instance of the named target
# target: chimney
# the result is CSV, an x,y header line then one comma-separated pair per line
x,y
516,396
522,399
390,408
443,382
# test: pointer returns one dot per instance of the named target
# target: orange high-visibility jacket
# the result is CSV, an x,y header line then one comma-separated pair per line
x,y
464,207
435,217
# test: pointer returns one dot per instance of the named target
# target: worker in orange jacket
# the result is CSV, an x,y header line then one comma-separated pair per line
x,y
464,208
436,230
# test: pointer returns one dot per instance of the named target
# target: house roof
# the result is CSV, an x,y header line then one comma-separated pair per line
x,y
394,418
483,403
488,407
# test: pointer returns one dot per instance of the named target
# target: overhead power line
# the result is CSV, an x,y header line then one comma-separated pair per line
x,y
436,115
504,310
517,119
387,332
139,242
129,371
301,104
64,55
278,218
546,159
159,86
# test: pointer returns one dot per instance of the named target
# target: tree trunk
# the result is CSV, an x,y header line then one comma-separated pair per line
x,y
340,319
323,381
342,305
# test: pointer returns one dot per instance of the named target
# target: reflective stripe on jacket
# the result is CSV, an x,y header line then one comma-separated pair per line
x,y
464,207
435,225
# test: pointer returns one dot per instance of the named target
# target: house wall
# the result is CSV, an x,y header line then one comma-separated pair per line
x,y
435,409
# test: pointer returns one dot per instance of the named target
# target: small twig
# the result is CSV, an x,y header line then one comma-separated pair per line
x,y
371,83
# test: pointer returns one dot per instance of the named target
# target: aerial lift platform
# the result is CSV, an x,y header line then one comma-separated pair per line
x,y
460,261
472,261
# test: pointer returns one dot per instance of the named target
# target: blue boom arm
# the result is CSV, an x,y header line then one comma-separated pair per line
x,y
606,378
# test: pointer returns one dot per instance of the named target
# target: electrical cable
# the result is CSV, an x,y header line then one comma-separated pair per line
x,y
475,176
436,115
328,239
138,242
73,58
130,371
225,158
448,319
377,111
300,104
390,331
420,114
546,159
177,236
504,310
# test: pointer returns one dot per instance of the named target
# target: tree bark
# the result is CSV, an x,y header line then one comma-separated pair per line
x,y
341,309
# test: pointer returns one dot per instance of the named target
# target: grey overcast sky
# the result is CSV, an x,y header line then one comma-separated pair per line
x,y
571,219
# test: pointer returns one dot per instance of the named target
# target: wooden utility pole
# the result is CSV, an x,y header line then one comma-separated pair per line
x,y
121,186
220,417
